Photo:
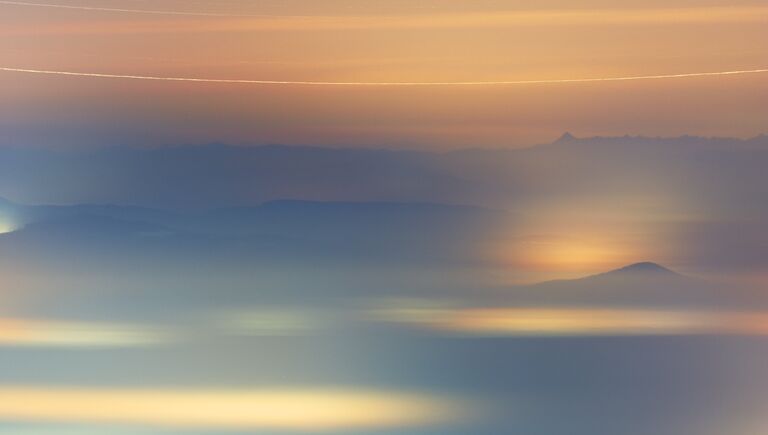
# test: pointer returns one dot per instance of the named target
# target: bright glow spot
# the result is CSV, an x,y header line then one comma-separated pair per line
x,y
539,258
6,226
570,254
297,410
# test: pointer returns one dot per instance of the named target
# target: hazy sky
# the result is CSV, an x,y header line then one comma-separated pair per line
x,y
275,288
375,41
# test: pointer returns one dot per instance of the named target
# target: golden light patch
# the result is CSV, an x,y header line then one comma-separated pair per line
x,y
549,321
293,410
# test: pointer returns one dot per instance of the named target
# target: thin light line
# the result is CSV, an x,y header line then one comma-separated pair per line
x,y
322,83
144,11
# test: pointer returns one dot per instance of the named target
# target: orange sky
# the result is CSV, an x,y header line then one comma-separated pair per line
x,y
375,41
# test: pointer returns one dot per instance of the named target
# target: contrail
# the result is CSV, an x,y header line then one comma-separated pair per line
x,y
323,83
140,11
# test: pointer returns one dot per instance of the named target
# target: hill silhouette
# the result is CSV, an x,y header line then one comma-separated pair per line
x,y
640,284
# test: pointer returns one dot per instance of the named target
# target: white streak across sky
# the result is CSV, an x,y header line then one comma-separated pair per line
x,y
328,83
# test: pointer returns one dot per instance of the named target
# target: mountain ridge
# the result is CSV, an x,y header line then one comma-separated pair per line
x,y
643,267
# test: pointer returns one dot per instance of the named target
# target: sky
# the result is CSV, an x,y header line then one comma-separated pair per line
x,y
294,217
373,41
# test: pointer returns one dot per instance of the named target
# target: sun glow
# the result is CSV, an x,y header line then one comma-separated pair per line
x,y
560,257
571,254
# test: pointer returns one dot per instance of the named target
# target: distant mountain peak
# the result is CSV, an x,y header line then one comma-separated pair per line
x,y
645,267
567,137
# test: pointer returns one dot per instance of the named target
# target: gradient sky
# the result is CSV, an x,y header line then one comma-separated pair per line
x,y
401,265
374,41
